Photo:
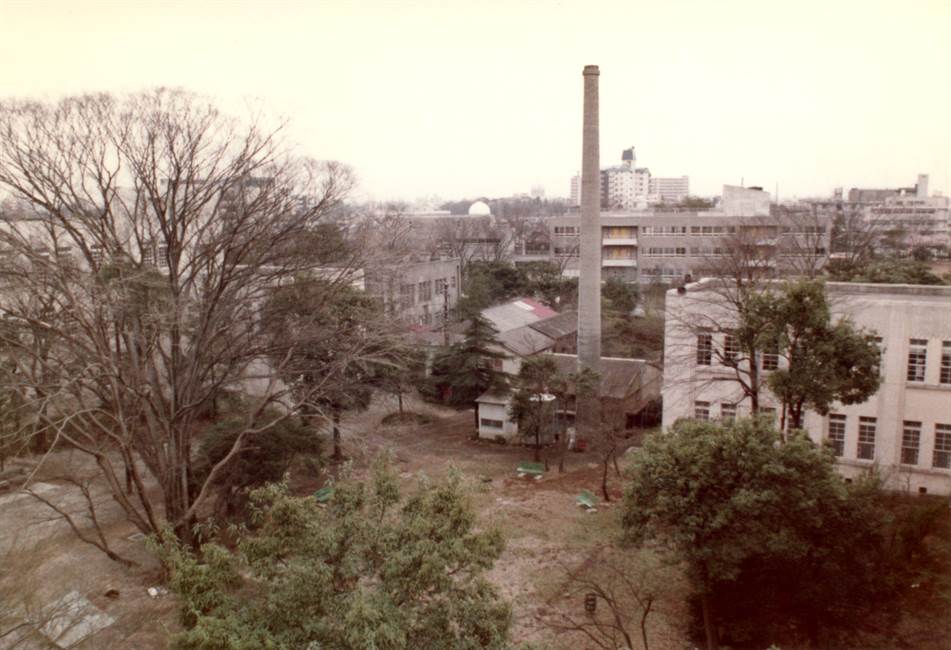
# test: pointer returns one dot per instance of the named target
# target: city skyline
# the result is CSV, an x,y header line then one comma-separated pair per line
x,y
483,99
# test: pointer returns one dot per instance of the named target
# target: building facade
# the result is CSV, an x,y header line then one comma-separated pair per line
x,y
417,292
669,190
889,220
658,246
903,430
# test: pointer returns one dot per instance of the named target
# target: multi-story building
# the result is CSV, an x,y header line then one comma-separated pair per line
x,y
418,292
574,198
887,219
668,190
904,429
665,246
629,187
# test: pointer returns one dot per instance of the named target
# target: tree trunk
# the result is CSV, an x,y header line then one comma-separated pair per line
x,y
335,418
538,445
475,415
604,474
644,613
709,626
399,400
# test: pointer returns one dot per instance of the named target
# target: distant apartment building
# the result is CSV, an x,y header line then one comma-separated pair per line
x,y
659,246
629,187
904,429
417,292
668,190
891,219
574,198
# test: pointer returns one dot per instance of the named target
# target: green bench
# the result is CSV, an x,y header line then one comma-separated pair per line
x,y
323,494
587,500
535,470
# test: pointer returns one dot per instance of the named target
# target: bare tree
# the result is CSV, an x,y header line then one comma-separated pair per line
x,y
157,226
624,588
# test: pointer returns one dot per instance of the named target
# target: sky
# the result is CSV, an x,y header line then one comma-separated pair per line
x,y
483,98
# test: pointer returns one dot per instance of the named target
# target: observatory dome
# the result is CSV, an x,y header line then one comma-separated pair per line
x,y
479,209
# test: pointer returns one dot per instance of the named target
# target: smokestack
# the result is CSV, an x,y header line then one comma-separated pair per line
x,y
589,282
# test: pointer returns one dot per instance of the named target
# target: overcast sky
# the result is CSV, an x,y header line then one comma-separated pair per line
x,y
464,99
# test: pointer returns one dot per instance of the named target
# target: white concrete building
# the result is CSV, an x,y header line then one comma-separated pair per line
x,y
662,246
904,429
668,190
575,195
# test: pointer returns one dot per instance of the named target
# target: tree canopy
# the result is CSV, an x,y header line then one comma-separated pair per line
x,y
371,570
768,525
884,270
825,362
461,373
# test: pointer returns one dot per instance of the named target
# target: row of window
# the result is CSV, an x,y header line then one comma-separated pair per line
x,y
567,230
664,272
730,352
867,433
910,440
701,411
409,295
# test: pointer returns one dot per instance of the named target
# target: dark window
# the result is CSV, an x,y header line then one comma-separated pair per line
x,y
867,426
910,441
704,349
917,359
836,435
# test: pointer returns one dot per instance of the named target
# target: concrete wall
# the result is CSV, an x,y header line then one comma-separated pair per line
x,y
897,313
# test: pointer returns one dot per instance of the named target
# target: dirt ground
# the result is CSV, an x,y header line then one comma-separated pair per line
x,y
548,536
547,533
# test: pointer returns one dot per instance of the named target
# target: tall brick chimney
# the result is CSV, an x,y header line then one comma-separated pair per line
x,y
589,282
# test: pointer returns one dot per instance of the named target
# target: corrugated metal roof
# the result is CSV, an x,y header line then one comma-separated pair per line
x,y
620,378
517,313
558,325
524,341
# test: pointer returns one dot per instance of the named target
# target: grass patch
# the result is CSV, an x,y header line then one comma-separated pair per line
x,y
406,417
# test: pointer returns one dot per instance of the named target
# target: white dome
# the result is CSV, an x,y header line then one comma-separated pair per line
x,y
479,209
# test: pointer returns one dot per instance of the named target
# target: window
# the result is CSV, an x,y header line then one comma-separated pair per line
x,y
701,410
942,446
768,412
452,282
425,291
491,424
910,440
704,349
163,256
495,364
836,435
727,412
881,354
440,286
148,254
96,253
917,358
945,377
566,230
771,357
867,426
731,350
407,295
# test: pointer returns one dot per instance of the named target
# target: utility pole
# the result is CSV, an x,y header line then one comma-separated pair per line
x,y
445,312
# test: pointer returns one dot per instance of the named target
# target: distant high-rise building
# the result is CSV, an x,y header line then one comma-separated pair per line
x,y
669,190
629,187
575,196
